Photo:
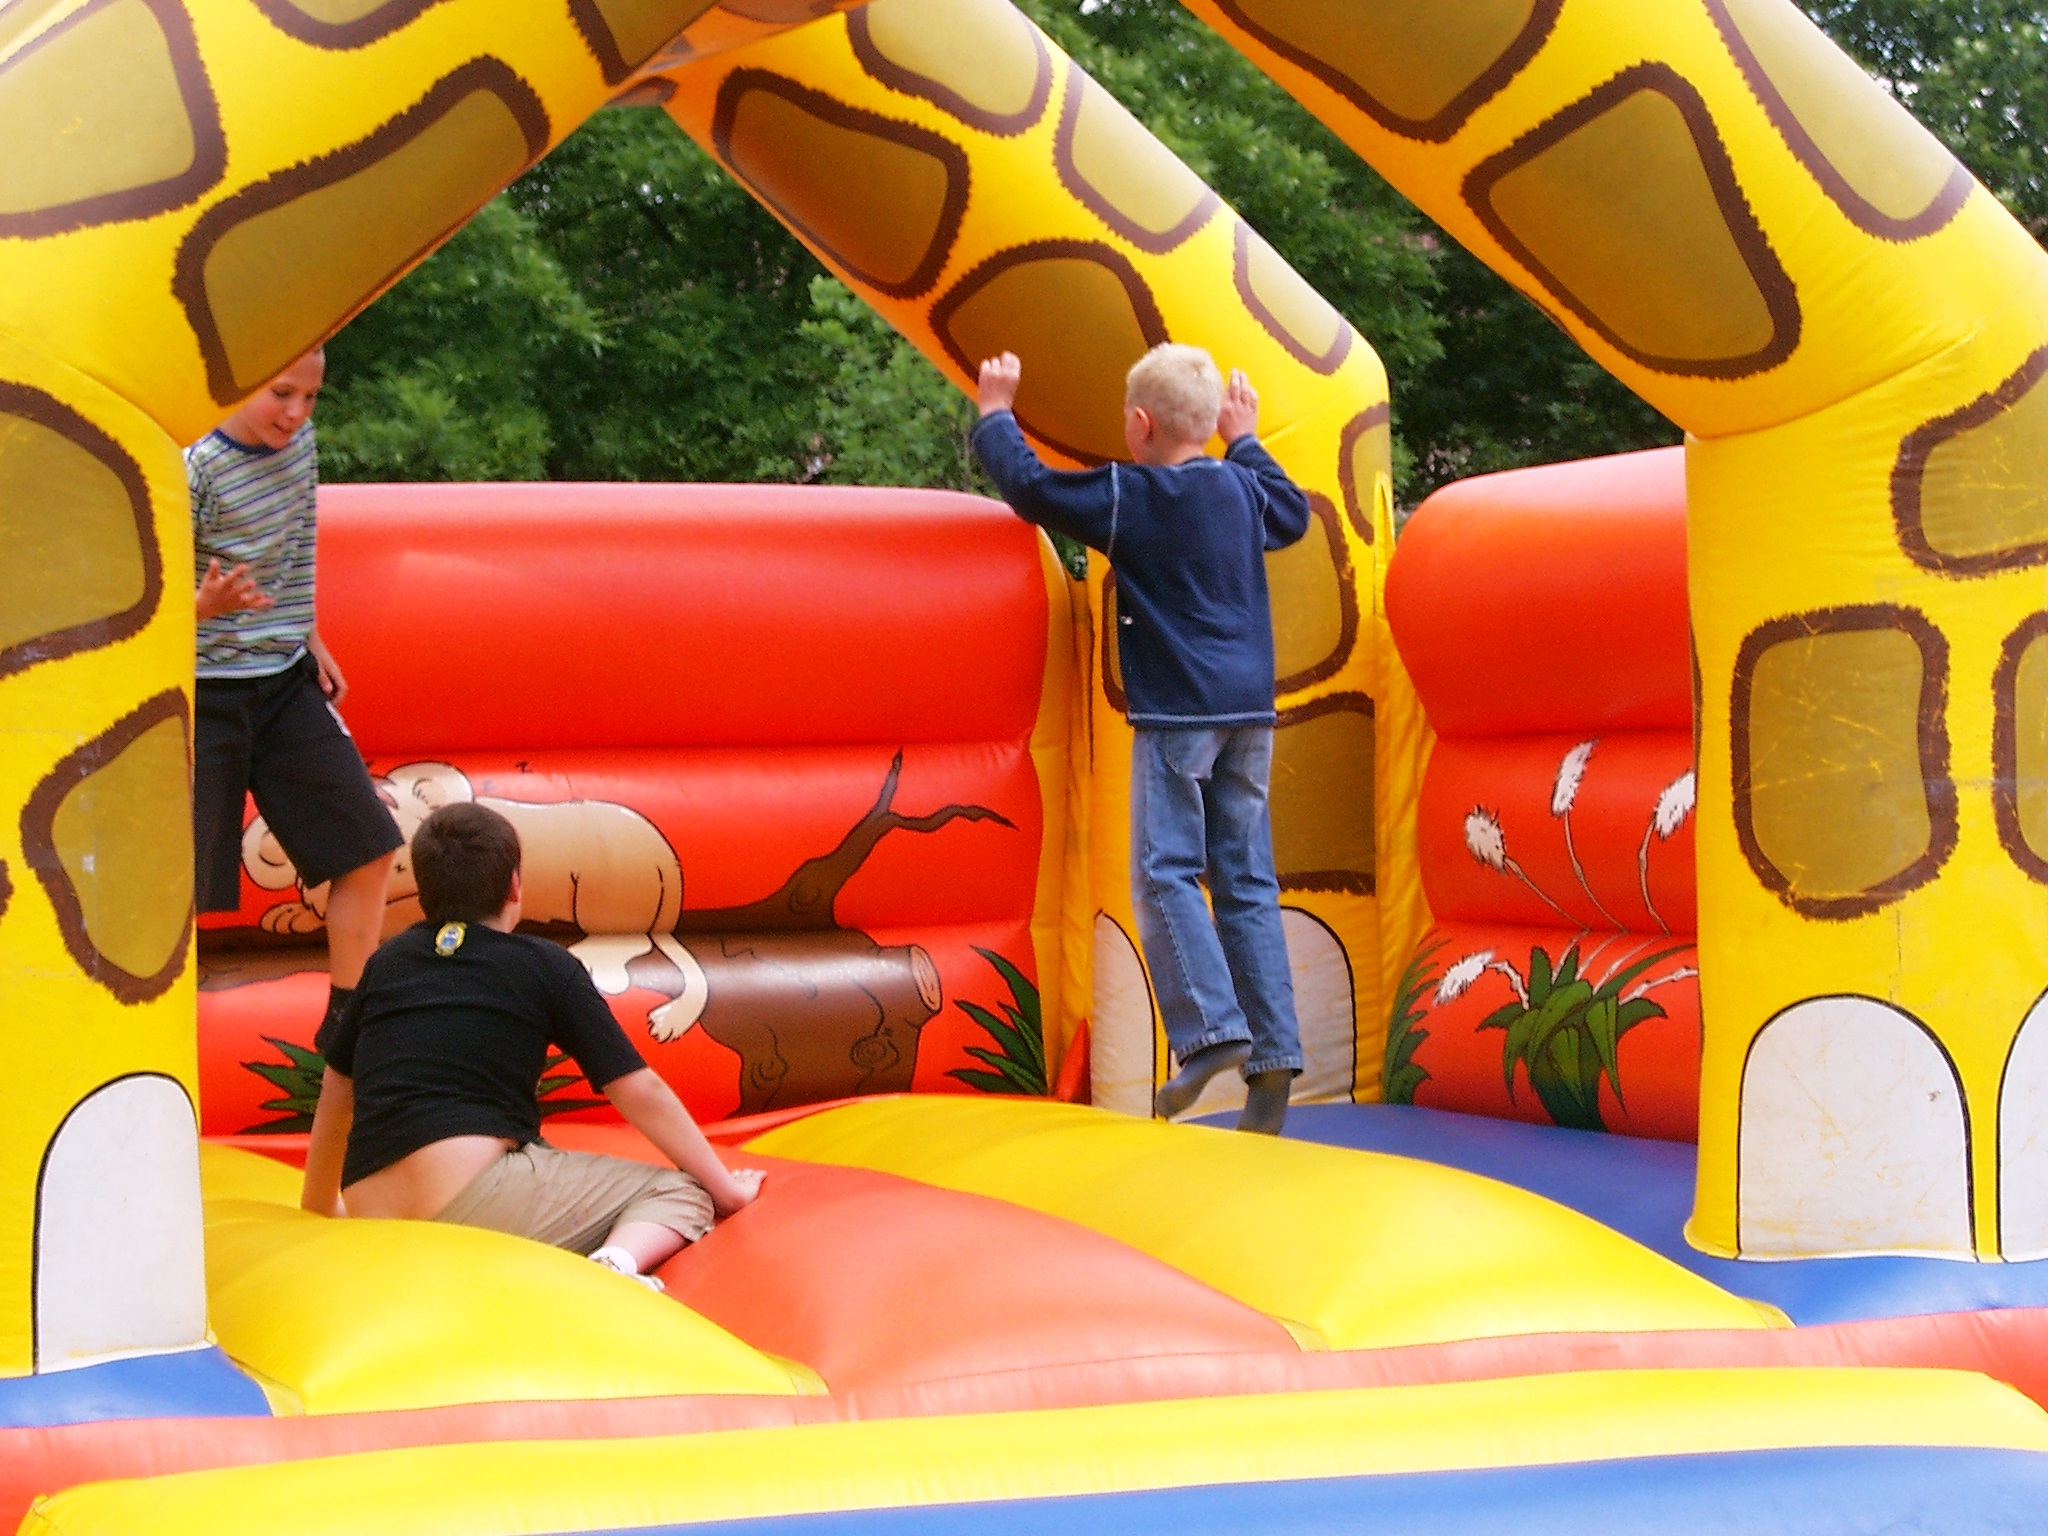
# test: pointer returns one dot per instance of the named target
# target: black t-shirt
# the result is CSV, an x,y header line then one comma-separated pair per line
x,y
454,1044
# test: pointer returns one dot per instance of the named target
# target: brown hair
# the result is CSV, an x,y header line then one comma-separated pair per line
x,y
464,857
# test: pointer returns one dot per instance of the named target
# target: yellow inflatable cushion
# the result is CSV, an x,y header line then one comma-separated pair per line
x,y
358,1316
228,1173
536,1487
1356,1249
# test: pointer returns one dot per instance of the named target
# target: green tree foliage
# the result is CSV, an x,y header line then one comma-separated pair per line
x,y
1974,71
625,311
884,415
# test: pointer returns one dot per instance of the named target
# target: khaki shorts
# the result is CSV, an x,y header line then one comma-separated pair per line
x,y
573,1199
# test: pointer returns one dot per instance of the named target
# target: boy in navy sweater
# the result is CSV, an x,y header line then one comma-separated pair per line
x,y
1187,536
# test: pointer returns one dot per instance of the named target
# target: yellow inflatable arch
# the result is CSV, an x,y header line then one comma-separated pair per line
x,y
1713,200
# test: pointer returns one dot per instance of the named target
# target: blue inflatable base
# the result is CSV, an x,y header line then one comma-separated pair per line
x,y
193,1384
1644,1190
1882,1491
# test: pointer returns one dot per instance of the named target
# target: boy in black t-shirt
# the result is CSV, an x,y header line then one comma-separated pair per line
x,y
433,1065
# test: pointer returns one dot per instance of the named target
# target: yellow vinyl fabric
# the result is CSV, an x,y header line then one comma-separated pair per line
x,y
95,848
1351,1250
368,1316
975,186
1752,235
229,1173
190,196
516,1489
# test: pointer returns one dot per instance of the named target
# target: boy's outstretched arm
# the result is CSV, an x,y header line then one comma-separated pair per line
x,y
336,1111
1286,510
652,1108
1080,505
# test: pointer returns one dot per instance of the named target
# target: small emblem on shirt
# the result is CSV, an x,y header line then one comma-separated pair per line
x,y
450,938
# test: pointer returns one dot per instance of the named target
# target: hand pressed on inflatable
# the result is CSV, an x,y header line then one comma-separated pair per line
x,y
740,1190
1239,416
996,388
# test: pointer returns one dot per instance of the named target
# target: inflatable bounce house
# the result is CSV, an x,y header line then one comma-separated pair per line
x,y
1663,840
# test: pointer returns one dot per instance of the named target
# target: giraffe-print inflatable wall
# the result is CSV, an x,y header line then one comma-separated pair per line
x,y
1733,219
976,187
193,194
1701,190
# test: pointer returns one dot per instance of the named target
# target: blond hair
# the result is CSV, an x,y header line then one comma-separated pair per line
x,y
1180,388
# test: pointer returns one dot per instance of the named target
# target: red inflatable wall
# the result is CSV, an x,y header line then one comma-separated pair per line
x,y
1542,616
769,751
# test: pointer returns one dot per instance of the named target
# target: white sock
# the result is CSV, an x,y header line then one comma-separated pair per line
x,y
616,1258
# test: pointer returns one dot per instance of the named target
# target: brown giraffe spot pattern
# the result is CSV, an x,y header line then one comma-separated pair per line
x,y
1288,308
1324,841
1417,67
1365,458
342,23
1970,489
267,272
22,17
1625,207
1078,315
945,52
79,565
2019,746
1881,168
781,13
1110,163
1315,605
106,116
882,198
108,833
1843,801
624,34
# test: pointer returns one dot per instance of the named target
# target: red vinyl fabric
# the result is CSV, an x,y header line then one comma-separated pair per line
x,y
769,751
1542,615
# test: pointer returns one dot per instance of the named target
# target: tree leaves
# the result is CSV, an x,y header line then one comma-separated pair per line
x,y
626,312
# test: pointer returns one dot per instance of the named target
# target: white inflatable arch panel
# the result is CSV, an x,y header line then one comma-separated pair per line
x,y
119,1266
1121,1039
1853,1136
2023,1141
1324,1008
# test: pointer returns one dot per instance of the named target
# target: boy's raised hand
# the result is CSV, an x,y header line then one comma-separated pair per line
x,y
228,591
1240,414
996,388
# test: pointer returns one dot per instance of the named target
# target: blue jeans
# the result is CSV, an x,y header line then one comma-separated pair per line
x,y
1198,806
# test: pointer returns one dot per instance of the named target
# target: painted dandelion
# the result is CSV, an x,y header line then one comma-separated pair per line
x,y
1571,770
1507,969
1487,843
1461,976
1673,806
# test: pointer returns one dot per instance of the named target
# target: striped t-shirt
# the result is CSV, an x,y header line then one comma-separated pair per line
x,y
254,506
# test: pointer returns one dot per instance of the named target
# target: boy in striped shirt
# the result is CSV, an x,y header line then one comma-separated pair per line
x,y
266,721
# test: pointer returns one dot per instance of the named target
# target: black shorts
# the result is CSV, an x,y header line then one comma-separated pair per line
x,y
279,738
